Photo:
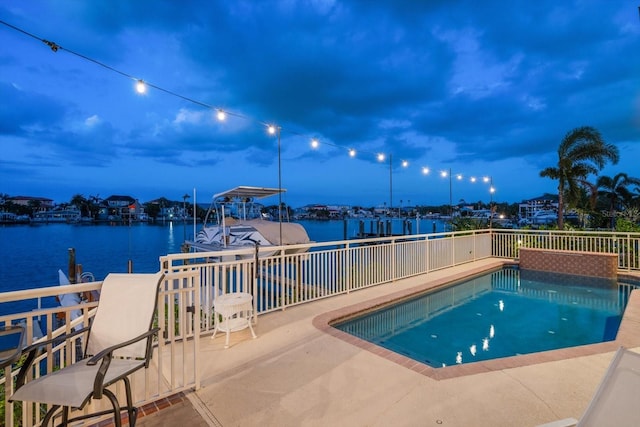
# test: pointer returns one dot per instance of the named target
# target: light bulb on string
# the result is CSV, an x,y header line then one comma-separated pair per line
x,y
221,115
352,152
141,87
271,129
314,143
425,171
381,157
405,163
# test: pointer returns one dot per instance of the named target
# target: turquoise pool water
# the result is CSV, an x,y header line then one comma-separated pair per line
x,y
502,313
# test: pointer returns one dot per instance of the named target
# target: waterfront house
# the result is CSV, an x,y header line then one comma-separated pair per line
x,y
41,203
529,208
125,208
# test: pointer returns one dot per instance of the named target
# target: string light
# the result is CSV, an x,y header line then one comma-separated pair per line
x,y
141,87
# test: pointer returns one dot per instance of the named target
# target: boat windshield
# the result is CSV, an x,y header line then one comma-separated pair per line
x,y
240,203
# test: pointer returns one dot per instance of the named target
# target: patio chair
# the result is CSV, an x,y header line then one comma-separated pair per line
x,y
119,342
616,399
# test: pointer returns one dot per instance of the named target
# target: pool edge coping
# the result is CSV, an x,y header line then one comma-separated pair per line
x,y
628,335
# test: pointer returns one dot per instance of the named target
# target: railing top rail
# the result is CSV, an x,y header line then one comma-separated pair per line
x,y
567,232
50,291
170,258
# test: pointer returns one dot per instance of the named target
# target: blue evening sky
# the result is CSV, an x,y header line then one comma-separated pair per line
x,y
479,88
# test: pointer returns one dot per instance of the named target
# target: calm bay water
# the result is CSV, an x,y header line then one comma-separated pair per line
x,y
30,256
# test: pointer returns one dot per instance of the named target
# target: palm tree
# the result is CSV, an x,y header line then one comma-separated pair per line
x,y
616,191
581,152
79,201
585,204
94,205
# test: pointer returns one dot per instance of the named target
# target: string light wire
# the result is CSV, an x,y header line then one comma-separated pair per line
x,y
221,113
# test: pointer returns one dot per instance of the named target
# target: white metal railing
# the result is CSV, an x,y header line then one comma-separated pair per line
x,y
294,275
506,243
174,366
309,272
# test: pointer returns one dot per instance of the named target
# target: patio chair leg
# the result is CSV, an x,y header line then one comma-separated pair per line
x,y
65,416
131,410
116,407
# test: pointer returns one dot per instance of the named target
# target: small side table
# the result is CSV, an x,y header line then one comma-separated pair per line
x,y
236,310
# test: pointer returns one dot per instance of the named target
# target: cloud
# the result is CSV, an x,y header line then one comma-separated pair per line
x,y
456,83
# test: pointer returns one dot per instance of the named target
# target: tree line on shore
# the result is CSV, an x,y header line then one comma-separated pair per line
x,y
600,201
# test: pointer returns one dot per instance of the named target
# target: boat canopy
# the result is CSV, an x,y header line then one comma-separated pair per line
x,y
243,192
292,233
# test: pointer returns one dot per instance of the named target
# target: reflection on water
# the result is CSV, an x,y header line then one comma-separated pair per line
x,y
500,312
30,256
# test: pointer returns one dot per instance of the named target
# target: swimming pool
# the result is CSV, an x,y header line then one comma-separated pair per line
x,y
503,313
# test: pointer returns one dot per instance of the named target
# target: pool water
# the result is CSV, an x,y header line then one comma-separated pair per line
x,y
499,314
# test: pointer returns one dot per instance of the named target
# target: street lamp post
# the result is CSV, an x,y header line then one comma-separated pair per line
x,y
272,129
404,164
489,179
390,185
450,197
184,214
279,186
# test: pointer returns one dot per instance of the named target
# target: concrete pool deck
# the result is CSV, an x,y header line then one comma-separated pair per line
x,y
299,372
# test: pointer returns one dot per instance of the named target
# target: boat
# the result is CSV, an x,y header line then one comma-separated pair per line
x,y
544,217
240,223
67,216
12,218
74,298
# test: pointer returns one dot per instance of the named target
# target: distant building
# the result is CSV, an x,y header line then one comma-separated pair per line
x,y
528,208
42,202
124,208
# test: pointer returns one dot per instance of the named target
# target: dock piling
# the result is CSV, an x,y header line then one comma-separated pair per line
x,y
72,266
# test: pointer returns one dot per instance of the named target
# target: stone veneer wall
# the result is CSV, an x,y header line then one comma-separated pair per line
x,y
579,263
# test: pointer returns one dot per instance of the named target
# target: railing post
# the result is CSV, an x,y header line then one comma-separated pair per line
x,y
348,266
475,236
453,250
394,259
628,252
195,286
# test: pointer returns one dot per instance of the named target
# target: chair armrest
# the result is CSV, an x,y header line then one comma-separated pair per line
x,y
40,344
94,360
106,356
32,351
